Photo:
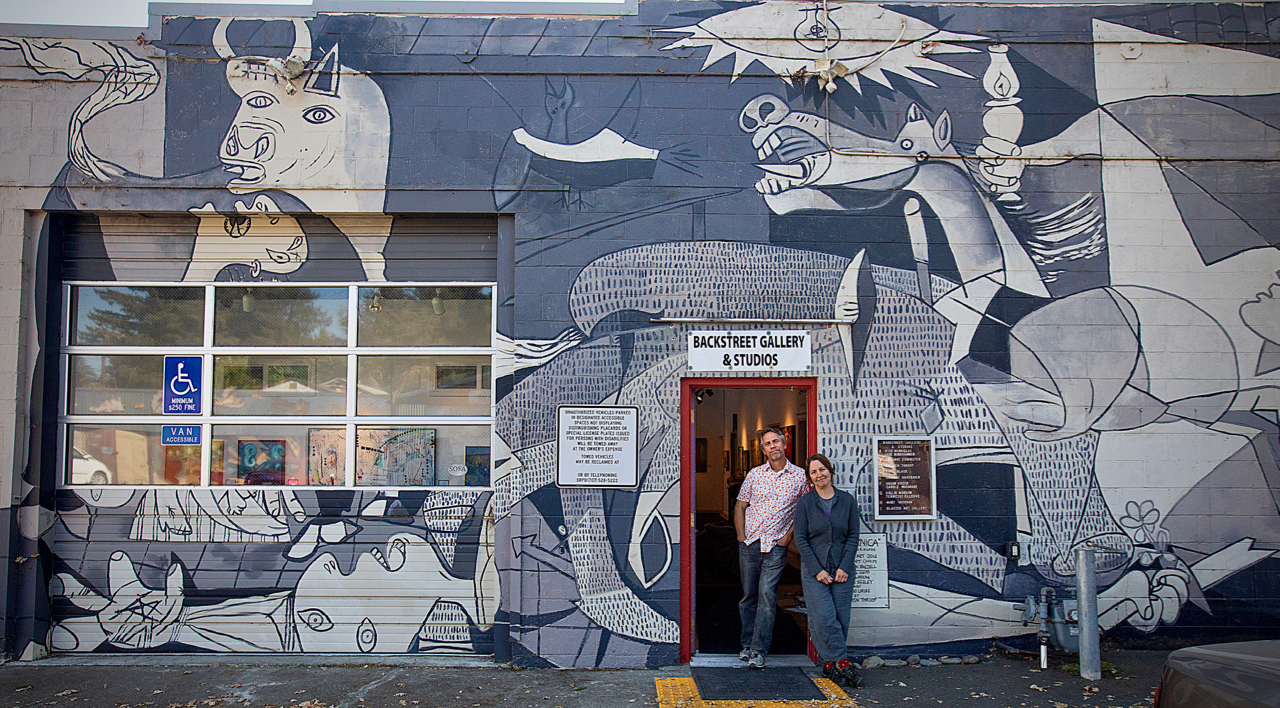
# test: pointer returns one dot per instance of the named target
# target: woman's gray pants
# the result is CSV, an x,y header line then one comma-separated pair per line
x,y
828,607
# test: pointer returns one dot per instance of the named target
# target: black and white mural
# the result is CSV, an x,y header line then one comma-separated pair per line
x,y
1044,236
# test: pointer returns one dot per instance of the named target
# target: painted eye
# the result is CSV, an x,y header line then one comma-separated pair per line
x,y
259,100
319,114
316,620
907,144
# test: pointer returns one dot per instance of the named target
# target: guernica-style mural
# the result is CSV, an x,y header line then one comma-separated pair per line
x,y
1043,236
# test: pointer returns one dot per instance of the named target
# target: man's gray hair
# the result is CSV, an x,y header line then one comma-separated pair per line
x,y
766,431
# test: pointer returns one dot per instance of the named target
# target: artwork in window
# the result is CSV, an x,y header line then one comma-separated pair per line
x,y
261,461
477,466
181,464
396,457
327,456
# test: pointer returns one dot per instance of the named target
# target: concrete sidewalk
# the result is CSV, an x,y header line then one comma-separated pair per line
x,y
195,681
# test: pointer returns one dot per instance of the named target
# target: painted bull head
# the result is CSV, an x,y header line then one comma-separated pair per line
x,y
802,153
306,126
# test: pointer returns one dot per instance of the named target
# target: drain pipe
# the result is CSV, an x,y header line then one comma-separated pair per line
x,y
1046,595
1087,597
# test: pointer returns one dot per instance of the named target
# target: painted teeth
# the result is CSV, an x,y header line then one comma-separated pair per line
x,y
773,142
761,153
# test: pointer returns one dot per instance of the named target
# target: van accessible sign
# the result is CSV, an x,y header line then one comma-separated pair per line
x,y
597,446
750,350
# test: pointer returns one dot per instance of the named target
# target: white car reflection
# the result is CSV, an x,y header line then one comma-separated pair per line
x,y
87,469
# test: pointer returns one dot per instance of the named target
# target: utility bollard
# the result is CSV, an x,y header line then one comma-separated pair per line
x,y
1087,599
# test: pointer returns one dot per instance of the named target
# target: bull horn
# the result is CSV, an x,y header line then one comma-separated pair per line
x,y
301,40
220,44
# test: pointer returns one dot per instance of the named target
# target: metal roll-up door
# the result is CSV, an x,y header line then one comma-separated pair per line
x,y
200,557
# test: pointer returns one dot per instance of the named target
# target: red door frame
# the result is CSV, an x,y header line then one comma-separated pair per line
x,y
687,386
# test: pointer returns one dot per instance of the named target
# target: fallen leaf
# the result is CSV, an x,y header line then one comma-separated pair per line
x,y
67,692
1038,688
24,688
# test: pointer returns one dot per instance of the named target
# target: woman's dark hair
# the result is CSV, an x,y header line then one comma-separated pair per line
x,y
825,463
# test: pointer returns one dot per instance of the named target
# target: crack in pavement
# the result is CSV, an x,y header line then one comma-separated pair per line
x,y
355,696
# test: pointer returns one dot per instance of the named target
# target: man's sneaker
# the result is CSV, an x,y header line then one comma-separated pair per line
x,y
745,654
829,671
756,661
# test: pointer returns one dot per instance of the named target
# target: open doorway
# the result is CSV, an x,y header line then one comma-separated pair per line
x,y
723,418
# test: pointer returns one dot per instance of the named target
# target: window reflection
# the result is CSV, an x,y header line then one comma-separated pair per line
x,y
266,316
422,385
280,385
115,385
445,316
128,454
137,316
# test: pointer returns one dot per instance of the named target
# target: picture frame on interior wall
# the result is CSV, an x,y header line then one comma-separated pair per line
x,y
700,463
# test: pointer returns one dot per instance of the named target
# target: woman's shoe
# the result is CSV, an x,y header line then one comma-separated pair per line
x,y
829,671
852,677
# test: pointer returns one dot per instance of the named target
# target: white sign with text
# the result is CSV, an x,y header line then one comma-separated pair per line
x,y
871,579
749,350
597,446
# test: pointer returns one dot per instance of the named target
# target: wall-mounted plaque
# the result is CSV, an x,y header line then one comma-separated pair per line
x,y
597,446
906,488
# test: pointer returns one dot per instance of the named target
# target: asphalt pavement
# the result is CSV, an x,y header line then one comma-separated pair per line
x,y
309,681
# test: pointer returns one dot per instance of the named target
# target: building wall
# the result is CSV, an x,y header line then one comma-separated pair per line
x,y
1042,235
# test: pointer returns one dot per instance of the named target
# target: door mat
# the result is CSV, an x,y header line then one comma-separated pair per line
x,y
780,683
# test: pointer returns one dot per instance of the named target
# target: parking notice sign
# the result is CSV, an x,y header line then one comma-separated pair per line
x,y
182,381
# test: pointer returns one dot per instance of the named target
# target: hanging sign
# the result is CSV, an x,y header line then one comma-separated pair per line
x,y
905,482
179,435
597,446
750,350
182,381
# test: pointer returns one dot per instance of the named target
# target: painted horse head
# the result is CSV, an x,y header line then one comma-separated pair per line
x,y
802,153
306,126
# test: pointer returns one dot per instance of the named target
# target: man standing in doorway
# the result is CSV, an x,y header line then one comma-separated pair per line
x,y
762,515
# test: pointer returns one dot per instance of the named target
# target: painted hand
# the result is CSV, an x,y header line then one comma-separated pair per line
x,y
133,617
1000,164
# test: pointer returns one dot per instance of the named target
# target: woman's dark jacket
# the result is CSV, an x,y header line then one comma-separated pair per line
x,y
816,534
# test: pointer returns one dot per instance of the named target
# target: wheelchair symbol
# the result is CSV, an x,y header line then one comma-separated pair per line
x,y
188,386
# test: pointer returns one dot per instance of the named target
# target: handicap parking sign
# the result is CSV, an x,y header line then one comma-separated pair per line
x,y
182,381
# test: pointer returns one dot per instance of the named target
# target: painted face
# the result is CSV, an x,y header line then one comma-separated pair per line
x,y
380,605
773,447
819,474
328,128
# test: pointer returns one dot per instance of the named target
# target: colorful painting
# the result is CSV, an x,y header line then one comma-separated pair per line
x,y
326,456
477,466
395,457
260,461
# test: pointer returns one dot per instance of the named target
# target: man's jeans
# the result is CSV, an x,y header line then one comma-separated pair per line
x,y
760,575
829,607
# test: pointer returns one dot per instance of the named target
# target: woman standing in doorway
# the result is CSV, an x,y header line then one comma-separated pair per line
x,y
826,530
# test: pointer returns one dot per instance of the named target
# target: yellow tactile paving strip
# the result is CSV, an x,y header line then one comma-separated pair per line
x,y
683,693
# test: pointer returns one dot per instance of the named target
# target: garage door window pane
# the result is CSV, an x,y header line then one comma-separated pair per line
x,y
280,385
137,317
115,385
128,454
452,316
278,455
423,385
280,317
409,456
